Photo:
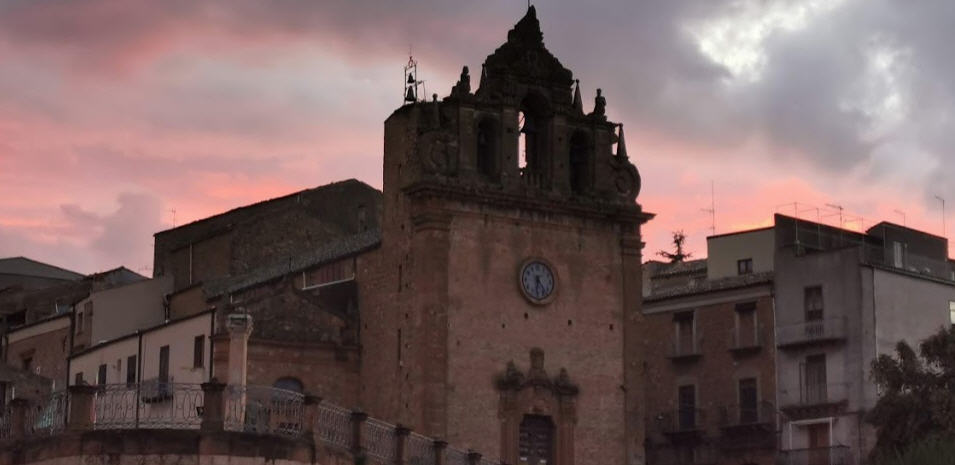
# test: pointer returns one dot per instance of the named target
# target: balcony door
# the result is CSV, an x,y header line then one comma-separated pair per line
x,y
814,389
818,444
686,415
748,404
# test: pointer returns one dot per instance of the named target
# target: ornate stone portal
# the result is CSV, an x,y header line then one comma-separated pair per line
x,y
537,414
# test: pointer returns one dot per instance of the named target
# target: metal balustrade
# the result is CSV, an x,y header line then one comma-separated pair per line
x,y
811,332
381,441
746,415
835,455
149,405
47,417
249,409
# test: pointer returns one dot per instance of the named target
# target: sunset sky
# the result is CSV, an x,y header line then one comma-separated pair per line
x,y
115,113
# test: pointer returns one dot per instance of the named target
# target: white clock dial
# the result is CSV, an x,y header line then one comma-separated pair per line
x,y
537,281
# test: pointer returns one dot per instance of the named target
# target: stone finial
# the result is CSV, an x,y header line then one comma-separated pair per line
x,y
621,144
238,323
527,30
578,103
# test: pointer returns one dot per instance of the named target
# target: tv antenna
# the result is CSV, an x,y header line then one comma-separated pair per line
x,y
839,209
712,209
941,199
902,214
173,211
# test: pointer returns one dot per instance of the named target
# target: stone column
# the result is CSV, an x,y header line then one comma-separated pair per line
x,y
401,443
18,418
634,345
439,447
82,407
474,458
357,429
239,326
310,417
213,407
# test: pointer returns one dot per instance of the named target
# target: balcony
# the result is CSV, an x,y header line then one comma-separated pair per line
x,y
688,349
681,425
807,333
746,341
814,400
757,416
835,455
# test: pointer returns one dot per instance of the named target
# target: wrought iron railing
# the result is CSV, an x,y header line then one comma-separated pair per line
x,y
334,426
743,415
835,455
420,450
747,338
264,410
682,420
48,416
381,441
812,331
149,405
255,409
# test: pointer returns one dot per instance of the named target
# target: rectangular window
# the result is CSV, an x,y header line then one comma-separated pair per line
x,y
101,375
79,322
685,334
27,363
744,266
748,401
897,254
812,301
746,328
686,415
164,364
131,370
198,351
79,379
814,379
951,312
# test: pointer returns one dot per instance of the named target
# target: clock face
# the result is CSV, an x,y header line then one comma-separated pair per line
x,y
538,281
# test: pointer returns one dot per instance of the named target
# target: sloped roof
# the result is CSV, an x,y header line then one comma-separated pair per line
x,y
338,248
28,267
712,285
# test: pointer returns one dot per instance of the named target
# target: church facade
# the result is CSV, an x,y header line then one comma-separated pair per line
x,y
502,311
490,295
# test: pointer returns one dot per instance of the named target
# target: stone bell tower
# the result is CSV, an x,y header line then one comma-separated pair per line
x,y
507,315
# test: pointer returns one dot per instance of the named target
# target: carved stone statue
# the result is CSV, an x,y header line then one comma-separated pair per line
x,y
463,87
600,105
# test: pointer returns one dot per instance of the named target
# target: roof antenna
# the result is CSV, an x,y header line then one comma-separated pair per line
x,y
712,209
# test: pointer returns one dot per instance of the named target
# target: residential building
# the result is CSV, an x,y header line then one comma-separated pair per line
x,y
713,355
27,274
842,299
175,351
118,311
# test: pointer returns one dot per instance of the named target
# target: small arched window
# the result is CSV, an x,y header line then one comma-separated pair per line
x,y
487,144
580,163
289,384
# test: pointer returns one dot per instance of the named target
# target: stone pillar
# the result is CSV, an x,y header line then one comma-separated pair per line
x,y
401,444
357,430
634,344
18,418
310,417
474,458
239,326
439,447
213,406
82,407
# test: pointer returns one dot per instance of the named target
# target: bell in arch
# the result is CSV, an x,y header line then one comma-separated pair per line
x,y
410,97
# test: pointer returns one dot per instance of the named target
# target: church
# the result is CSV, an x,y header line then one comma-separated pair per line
x,y
489,295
